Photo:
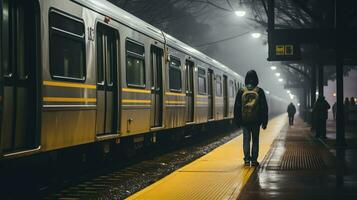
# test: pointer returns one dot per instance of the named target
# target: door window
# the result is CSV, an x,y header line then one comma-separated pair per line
x,y
218,86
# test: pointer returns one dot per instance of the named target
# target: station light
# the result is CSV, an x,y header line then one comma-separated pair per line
x,y
240,13
317,93
334,94
298,104
288,91
256,35
273,68
277,74
280,80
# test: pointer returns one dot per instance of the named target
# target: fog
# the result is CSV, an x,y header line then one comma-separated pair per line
x,y
242,53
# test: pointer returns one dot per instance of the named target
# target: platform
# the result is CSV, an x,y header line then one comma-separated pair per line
x,y
299,166
219,174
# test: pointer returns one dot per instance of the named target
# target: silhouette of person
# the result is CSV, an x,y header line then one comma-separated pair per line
x,y
320,110
291,113
251,112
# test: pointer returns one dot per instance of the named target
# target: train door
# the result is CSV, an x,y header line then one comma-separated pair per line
x,y
190,91
107,81
156,86
210,93
19,67
225,96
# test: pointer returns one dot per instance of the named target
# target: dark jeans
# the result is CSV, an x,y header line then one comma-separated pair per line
x,y
291,120
248,133
321,128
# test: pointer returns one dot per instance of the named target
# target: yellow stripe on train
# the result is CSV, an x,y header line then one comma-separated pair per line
x,y
70,85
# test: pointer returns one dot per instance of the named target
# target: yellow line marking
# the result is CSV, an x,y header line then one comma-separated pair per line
x,y
201,96
67,99
202,103
70,85
136,101
220,171
175,94
175,102
136,90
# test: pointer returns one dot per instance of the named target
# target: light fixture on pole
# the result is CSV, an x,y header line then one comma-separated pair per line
x,y
240,13
256,35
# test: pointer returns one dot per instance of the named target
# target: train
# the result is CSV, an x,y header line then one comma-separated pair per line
x,y
85,72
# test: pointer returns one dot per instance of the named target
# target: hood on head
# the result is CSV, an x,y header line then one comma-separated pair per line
x,y
251,78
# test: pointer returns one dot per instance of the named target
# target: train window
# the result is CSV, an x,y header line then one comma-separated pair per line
x,y
218,86
231,89
175,82
67,47
135,64
201,81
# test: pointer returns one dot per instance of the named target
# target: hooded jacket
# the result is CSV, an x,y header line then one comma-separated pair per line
x,y
251,81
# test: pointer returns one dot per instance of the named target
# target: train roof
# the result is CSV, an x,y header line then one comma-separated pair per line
x,y
120,15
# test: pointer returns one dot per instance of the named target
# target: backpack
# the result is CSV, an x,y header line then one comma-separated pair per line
x,y
250,105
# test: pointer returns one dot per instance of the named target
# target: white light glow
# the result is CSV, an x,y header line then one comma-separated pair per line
x,y
273,68
317,93
277,74
256,35
298,104
288,91
280,80
240,13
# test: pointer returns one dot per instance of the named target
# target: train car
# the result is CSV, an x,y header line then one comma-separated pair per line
x,y
79,72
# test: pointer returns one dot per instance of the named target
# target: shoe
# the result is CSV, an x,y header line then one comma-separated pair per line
x,y
247,163
255,163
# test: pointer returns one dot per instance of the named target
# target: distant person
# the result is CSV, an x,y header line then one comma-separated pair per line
x,y
334,110
291,113
346,109
320,110
352,102
251,112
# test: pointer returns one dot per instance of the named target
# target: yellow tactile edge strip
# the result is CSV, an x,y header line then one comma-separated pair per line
x,y
223,162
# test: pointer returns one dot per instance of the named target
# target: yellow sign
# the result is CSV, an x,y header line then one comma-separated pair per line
x,y
284,50
279,50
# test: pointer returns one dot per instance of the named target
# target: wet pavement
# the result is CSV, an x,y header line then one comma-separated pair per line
x,y
302,167
119,182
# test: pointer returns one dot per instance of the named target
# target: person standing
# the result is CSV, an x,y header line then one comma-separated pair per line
x,y
320,110
346,109
291,113
352,101
251,112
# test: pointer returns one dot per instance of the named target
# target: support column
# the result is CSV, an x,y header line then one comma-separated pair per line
x,y
340,121
321,80
304,103
313,85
